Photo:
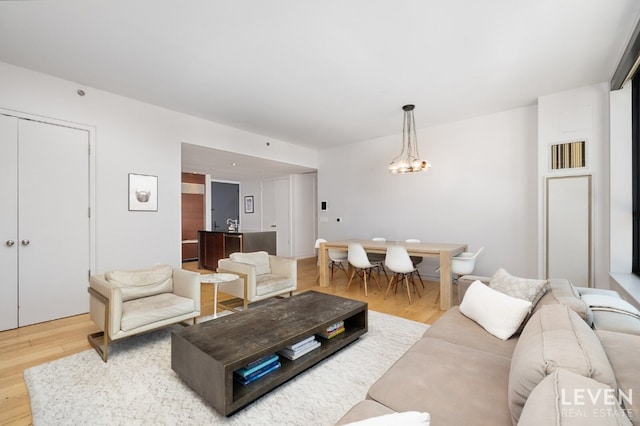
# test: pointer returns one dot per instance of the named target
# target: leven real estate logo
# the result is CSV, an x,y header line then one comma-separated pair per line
x,y
589,402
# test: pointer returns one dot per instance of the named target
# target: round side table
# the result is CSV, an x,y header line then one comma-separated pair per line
x,y
216,279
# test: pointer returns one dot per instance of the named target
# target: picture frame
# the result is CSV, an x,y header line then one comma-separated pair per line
x,y
143,193
248,204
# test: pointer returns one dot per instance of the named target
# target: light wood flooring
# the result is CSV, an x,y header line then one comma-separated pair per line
x,y
36,344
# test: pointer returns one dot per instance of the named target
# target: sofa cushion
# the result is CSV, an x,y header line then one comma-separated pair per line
x,y
555,337
569,399
623,351
269,283
456,328
455,384
147,310
142,282
604,302
259,259
565,293
522,288
614,321
498,313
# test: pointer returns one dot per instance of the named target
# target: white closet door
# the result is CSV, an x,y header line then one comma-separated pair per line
x,y
53,229
569,229
275,213
282,217
8,222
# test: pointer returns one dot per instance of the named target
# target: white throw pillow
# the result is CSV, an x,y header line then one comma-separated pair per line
x,y
498,313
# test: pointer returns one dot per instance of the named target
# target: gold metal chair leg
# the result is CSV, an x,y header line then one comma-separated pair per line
x,y
93,341
93,337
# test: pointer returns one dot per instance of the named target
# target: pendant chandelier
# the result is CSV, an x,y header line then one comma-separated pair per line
x,y
409,158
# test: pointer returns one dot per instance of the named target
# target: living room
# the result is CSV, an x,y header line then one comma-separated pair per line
x,y
485,187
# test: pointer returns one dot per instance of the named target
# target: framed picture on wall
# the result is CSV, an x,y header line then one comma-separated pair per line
x,y
248,204
143,193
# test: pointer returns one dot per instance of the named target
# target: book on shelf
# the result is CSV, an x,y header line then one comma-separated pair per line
x,y
295,354
333,330
255,375
256,365
302,343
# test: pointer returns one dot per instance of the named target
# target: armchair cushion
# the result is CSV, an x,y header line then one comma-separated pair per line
x,y
143,282
260,259
147,310
270,283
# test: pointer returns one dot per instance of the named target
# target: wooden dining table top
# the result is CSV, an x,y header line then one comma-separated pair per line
x,y
427,248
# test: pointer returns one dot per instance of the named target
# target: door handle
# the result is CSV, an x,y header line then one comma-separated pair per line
x,y
25,242
10,243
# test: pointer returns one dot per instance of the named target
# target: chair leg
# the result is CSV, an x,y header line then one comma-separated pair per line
x,y
389,286
103,350
341,266
375,278
350,279
93,337
364,278
406,282
415,286
384,270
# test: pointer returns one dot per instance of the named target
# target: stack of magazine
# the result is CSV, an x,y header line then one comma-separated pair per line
x,y
333,330
257,369
303,347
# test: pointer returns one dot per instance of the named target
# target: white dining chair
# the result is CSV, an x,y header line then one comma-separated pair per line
x,y
378,258
357,257
336,259
399,262
417,260
462,264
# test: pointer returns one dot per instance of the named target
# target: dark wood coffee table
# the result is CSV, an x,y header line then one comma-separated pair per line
x,y
205,355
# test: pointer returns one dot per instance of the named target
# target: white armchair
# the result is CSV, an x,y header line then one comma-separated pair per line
x,y
264,275
125,303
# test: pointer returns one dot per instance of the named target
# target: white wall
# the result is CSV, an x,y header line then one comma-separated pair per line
x,y
581,114
134,137
303,214
481,190
251,221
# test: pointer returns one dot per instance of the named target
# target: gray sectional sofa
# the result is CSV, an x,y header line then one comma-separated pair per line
x,y
569,365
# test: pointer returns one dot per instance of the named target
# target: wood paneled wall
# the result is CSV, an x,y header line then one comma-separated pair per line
x,y
192,213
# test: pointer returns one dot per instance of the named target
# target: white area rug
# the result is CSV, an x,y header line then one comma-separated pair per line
x,y
138,387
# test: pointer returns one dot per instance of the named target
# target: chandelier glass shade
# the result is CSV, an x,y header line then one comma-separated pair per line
x,y
409,159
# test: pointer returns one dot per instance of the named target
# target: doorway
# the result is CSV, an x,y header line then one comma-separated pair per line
x,y
225,204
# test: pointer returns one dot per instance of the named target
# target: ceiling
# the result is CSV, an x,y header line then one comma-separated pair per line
x,y
230,166
323,73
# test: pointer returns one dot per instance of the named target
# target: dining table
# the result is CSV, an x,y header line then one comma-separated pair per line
x,y
443,251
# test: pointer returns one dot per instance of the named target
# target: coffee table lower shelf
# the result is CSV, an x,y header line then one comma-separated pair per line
x,y
205,355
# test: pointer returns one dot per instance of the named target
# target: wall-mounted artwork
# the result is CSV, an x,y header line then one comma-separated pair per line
x,y
248,204
143,193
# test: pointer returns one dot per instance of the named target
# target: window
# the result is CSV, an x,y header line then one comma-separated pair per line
x,y
635,170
